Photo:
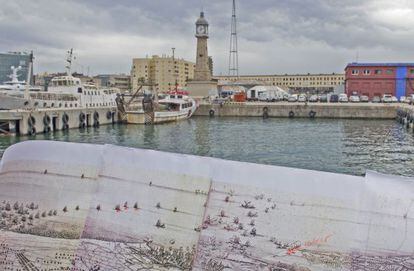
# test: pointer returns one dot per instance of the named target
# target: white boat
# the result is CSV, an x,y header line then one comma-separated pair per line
x,y
15,85
172,106
63,91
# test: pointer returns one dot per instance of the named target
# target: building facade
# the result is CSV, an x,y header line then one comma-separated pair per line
x,y
7,60
294,83
162,72
121,81
377,79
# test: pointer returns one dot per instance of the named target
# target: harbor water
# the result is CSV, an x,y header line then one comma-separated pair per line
x,y
342,146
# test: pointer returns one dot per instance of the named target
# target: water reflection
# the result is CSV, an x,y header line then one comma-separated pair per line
x,y
346,146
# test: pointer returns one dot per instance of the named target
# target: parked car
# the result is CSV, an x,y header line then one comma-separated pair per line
x,y
403,99
376,99
334,98
364,98
386,98
343,98
323,98
354,99
313,98
302,98
293,98
394,99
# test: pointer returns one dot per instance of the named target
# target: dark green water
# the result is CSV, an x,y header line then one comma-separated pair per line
x,y
345,146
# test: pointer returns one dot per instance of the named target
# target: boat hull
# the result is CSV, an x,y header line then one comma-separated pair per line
x,y
139,117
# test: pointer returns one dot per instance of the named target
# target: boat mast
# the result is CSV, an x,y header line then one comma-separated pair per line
x,y
69,61
29,76
175,75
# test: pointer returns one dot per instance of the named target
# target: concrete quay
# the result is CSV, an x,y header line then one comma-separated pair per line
x,y
46,120
302,110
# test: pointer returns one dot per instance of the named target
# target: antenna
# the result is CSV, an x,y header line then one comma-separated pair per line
x,y
69,61
233,56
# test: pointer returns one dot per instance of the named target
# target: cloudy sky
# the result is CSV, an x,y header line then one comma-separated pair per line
x,y
275,36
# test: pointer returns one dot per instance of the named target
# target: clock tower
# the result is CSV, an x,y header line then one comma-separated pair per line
x,y
202,85
202,70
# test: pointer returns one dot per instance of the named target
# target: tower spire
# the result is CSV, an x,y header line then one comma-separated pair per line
x,y
233,56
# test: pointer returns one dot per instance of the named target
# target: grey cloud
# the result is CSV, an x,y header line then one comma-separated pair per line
x,y
284,36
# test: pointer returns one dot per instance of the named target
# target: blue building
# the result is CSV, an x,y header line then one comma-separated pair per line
x,y
14,59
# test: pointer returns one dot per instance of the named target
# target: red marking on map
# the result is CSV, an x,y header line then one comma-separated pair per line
x,y
314,242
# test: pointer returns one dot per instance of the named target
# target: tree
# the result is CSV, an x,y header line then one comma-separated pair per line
x,y
32,206
65,209
77,208
16,206
44,214
136,205
8,207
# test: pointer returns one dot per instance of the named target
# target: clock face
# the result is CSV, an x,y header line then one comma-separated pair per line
x,y
201,29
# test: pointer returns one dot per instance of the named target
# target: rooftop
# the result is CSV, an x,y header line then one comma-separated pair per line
x,y
355,64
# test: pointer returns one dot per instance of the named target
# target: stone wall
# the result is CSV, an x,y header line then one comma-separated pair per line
x,y
302,110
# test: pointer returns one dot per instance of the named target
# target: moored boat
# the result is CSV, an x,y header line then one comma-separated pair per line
x,y
172,106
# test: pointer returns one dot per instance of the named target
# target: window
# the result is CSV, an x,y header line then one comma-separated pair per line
x,y
367,72
355,72
411,71
389,71
378,71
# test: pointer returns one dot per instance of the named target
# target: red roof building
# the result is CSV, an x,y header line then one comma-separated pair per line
x,y
377,79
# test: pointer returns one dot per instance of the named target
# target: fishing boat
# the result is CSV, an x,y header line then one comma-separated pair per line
x,y
168,107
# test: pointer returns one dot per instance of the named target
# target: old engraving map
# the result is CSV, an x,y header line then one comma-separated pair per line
x,y
66,206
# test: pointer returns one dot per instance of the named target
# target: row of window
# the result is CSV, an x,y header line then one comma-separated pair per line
x,y
45,104
100,104
287,79
376,71
187,105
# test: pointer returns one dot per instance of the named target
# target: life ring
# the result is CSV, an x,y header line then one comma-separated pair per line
x,y
31,131
109,115
46,120
211,113
65,118
291,114
31,121
312,114
96,115
82,117
47,129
